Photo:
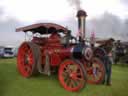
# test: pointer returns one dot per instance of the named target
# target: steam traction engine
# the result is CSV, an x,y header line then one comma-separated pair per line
x,y
54,48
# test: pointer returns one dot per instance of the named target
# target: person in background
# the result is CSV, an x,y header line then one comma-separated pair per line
x,y
107,46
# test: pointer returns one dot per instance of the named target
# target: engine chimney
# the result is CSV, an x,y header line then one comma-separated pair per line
x,y
81,15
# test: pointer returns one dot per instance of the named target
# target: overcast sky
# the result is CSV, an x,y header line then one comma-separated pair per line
x,y
32,10
15,13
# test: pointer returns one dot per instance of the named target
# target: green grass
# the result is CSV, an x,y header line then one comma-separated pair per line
x,y
13,84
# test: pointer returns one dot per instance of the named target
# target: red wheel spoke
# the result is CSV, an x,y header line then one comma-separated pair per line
x,y
68,69
26,48
28,71
65,74
76,83
67,81
30,61
29,52
73,83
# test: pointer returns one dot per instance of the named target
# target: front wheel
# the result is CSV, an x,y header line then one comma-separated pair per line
x,y
71,75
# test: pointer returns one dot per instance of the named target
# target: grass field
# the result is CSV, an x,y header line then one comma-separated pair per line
x,y
12,84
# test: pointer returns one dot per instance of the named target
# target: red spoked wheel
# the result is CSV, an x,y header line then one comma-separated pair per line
x,y
95,71
27,59
71,75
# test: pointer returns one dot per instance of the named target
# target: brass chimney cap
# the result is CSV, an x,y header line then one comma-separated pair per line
x,y
81,13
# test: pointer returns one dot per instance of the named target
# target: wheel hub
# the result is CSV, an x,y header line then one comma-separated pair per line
x,y
73,75
27,59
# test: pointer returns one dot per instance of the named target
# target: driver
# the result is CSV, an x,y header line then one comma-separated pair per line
x,y
55,35
66,39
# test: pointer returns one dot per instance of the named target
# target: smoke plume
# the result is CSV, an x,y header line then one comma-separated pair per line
x,y
75,3
110,26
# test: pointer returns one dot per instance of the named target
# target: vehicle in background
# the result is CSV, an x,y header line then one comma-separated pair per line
x,y
6,52
121,52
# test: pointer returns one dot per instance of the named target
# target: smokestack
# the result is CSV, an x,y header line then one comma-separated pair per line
x,y
81,15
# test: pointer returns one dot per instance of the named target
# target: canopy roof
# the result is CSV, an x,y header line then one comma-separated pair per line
x,y
103,41
43,28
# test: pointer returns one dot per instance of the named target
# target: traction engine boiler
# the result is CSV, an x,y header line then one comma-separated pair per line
x,y
53,48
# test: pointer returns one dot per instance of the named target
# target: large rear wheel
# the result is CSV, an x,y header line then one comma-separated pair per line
x,y
71,75
95,71
27,59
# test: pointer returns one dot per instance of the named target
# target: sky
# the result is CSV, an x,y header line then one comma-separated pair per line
x,y
15,13
56,10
